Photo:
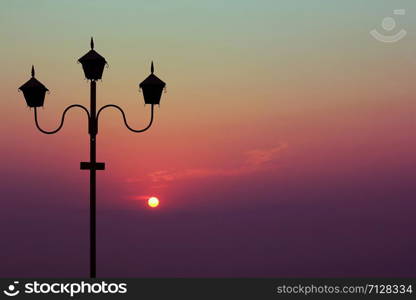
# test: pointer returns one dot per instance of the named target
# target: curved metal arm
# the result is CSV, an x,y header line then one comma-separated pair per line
x,y
62,119
124,117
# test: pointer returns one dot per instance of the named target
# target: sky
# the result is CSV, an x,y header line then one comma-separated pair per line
x,y
284,145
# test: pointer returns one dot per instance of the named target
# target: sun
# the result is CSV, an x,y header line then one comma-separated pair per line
x,y
153,202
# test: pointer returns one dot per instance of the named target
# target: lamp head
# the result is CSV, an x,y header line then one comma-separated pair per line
x,y
93,64
152,88
34,91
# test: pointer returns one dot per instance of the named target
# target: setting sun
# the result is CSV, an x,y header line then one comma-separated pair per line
x,y
153,202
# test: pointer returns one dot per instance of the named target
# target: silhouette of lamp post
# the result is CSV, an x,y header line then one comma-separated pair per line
x,y
93,65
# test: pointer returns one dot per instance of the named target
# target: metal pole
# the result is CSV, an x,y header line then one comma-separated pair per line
x,y
93,134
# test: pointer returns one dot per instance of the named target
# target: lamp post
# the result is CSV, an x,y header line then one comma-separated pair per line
x,y
93,65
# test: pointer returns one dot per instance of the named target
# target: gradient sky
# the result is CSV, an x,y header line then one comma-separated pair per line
x,y
284,146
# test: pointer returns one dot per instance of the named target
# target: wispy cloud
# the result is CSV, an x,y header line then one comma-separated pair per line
x,y
254,160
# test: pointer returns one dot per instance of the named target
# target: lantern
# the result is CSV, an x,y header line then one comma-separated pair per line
x,y
34,91
93,64
152,88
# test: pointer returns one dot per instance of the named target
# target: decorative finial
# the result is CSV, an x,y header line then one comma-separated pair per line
x,y
92,43
33,71
152,68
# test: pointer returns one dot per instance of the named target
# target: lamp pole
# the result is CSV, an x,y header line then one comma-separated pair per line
x,y
93,64
93,178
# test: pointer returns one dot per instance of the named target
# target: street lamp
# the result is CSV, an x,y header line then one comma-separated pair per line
x,y
93,65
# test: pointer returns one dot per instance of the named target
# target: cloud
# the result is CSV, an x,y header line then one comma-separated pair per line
x,y
260,157
255,160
